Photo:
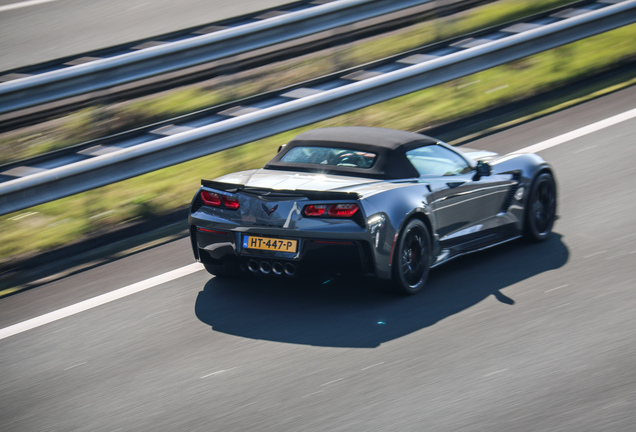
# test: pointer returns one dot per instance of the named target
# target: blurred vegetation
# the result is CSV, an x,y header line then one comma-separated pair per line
x,y
87,214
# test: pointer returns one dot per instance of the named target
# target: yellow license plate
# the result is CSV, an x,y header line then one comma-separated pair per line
x,y
273,244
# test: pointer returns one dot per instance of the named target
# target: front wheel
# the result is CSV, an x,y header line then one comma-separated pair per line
x,y
411,259
541,208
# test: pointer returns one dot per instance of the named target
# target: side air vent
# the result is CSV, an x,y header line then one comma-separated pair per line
x,y
511,193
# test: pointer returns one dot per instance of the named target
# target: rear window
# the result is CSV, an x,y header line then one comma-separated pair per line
x,y
330,156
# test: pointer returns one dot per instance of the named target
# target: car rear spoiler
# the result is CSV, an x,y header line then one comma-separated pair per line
x,y
310,194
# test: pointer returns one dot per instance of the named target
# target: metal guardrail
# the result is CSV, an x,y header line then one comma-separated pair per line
x,y
147,133
100,74
425,71
228,65
76,58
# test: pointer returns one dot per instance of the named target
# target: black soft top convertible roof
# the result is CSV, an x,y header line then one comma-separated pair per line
x,y
389,144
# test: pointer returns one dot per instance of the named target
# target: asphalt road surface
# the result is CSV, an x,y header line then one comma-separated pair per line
x,y
522,337
34,31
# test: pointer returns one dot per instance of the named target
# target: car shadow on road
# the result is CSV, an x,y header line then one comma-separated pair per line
x,y
348,312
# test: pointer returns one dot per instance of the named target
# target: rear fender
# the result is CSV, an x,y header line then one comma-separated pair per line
x,y
387,213
527,164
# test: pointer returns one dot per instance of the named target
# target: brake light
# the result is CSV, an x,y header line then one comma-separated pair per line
x,y
315,209
330,210
230,202
342,210
217,200
211,198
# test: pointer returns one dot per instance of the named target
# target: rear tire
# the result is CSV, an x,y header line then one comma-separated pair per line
x,y
540,212
411,259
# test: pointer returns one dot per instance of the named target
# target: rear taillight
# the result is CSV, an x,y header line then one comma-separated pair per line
x,y
217,200
342,210
230,202
211,198
330,210
315,209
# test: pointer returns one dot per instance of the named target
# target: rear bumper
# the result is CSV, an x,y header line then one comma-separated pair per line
x,y
316,252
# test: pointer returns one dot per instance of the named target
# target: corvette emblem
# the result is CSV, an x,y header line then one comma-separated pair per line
x,y
269,211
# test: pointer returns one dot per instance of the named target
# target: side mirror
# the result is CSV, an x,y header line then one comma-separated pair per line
x,y
483,169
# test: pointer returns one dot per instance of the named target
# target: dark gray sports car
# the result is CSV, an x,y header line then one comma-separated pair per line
x,y
380,202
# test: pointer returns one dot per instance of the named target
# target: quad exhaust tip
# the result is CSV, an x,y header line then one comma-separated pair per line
x,y
252,266
290,269
277,268
265,267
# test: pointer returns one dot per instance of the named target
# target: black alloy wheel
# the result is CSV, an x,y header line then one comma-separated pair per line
x,y
541,208
411,260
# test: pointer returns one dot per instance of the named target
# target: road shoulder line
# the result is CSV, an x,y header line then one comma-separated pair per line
x,y
99,300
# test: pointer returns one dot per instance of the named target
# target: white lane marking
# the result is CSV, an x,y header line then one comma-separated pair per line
x,y
477,313
495,372
615,404
561,305
99,300
584,149
183,271
577,133
311,394
331,382
217,372
559,287
23,4
372,366
156,313
74,366
594,254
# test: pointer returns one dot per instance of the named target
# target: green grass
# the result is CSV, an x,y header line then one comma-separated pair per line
x,y
56,223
